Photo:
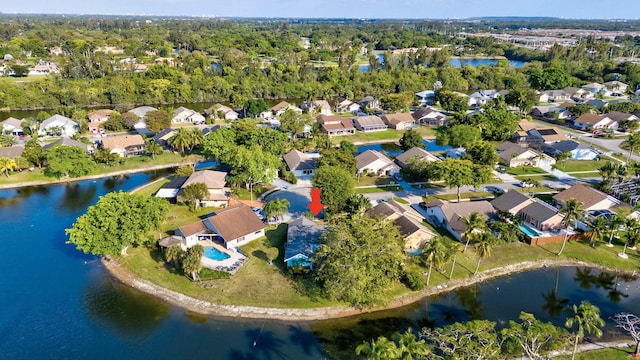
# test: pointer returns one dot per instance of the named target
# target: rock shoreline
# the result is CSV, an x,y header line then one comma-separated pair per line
x,y
300,314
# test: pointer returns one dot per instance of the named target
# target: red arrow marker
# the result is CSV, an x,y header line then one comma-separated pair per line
x,y
315,205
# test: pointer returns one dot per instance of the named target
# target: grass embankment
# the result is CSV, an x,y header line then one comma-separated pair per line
x,y
604,354
132,163
259,284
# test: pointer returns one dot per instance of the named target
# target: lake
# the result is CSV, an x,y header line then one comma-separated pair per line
x,y
57,302
460,62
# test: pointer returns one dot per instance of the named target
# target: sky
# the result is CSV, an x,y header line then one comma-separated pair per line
x,y
424,9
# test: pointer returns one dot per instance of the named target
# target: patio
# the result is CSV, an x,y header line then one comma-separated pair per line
x,y
230,265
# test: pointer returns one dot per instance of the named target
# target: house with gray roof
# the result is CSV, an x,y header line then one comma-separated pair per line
x,y
11,152
430,117
408,221
450,215
65,141
301,164
369,123
303,238
58,125
415,153
541,216
512,202
578,150
372,161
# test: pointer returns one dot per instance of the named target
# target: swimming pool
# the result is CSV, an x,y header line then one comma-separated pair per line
x,y
215,254
528,231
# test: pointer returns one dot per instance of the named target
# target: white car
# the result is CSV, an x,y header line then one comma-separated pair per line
x,y
525,184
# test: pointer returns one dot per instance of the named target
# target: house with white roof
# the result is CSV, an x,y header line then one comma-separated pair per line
x,y
320,107
184,115
222,111
58,125
426,97
346,105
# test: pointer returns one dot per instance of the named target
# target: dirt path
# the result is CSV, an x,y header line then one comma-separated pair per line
x,y
92,177
208,308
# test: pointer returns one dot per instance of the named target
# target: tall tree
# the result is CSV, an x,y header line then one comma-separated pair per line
x,y
586,317
192,261
67,161
181,140
457,173
631,324
33,152
380,349
484,245
411,139
377,246
409,347
475,223
338,158
434,253
117,220
157,120
336,187
573,212
194,193
153,149
632,142
276,208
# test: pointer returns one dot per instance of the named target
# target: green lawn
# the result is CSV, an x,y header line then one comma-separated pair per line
x,y
586,174
579,165
366,180
604,354
378,189
525,170
244,194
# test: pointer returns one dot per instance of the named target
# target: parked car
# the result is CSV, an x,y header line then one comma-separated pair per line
x,y
495,190
423,205
398,177
525,184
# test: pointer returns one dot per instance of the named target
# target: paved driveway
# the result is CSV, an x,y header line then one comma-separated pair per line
x,y
298,197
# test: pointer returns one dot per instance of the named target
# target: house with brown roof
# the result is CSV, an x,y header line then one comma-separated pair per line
x,y
219,195
541,216
450,215
236,225
430,117
590,121
399,121
301,164
334,125
526,125
101,115
12,126
590,198
372,161
369,123
620,117
415,153
11,152
194,232
408,221
124,145
219,111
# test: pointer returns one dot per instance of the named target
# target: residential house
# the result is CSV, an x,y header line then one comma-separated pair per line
x,y
65,141
415,153
590,198
578,151
163,138
302,165
219,195
455,153
537,138
590,121
426,97
598,103
512,202
620,117
101,115
13,126
194,232
219,111
616,87
320,107
171,189
594,88
124,145
303,238
184,115
372,161
345,105
279,109
44,67
369,123
430,117
334,125
369,102
58,125
408,221
479,98
11,152
141,112
541,216
526,125
399,121
575,93
557,95
551,112
450,215
236,225
517,155
543,97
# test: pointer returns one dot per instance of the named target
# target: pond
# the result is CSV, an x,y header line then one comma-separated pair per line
x,y
60,303
461,62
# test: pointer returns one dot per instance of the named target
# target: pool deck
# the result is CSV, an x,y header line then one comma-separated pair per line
x,y
230,265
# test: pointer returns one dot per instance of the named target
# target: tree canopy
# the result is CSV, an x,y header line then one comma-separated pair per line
x,y
67,161
117,220
336,187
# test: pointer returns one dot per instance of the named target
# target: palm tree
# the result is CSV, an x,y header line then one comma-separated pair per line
x,y
631,236
597,230
409,347
181,140
196,138
475,223
275,208
587,318
381,349
572,211
434,253
616,221
632,142
7,164
8,140
153,149
484,245
454,249
173,253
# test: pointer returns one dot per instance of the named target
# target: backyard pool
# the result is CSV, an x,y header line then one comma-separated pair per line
x,y
528,231
215,254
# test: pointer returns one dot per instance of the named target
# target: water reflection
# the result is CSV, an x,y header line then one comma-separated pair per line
x,y
126,310
79,195
115,182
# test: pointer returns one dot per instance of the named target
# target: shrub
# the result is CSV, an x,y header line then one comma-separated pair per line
x,y
413,280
